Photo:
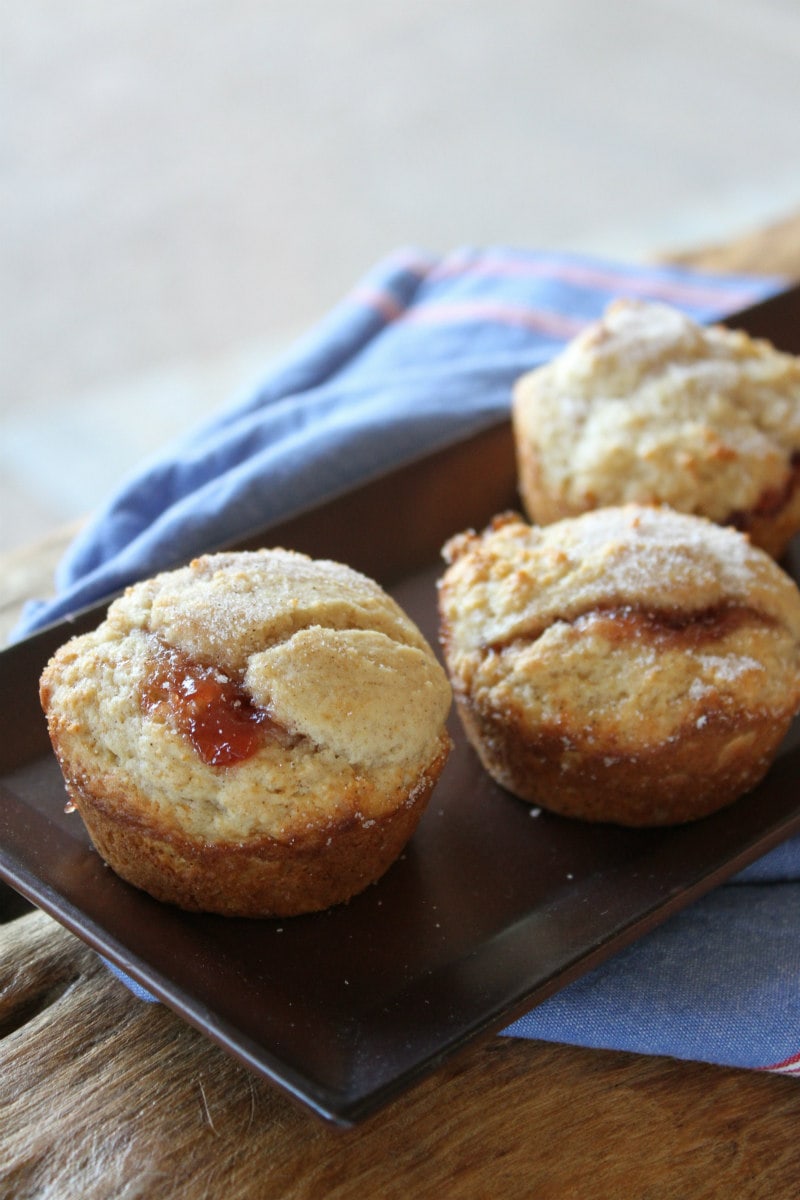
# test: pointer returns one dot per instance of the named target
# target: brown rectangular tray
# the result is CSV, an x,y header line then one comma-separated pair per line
x,y
487,913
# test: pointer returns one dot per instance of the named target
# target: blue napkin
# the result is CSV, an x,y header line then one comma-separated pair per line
x,y
422,352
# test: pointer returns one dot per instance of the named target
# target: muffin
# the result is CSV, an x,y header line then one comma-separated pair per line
x,y
646,406
631,665
255,734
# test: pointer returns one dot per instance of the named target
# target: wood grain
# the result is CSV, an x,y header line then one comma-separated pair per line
x,y
774,250
27,573
103,1096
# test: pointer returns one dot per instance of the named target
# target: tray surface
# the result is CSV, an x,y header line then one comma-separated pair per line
x,y
489,911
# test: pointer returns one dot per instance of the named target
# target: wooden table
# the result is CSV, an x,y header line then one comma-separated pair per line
x,y
103,1096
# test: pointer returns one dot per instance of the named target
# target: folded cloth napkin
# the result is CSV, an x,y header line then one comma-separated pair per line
x,y
424,351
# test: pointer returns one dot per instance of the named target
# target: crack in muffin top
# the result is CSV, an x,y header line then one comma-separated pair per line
x,y
515,580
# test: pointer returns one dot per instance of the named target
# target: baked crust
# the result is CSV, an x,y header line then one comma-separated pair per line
x,y
646,406
632,665
262,876
349,707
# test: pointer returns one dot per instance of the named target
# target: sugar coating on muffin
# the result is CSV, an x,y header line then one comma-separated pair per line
x,y
256,733
647,406
633,664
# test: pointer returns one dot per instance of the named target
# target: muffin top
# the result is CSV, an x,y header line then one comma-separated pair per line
x,y
619,619
516,579
648,406
347,699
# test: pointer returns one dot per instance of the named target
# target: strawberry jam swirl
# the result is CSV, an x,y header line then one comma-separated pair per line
x,y
211,710
622,624
773,501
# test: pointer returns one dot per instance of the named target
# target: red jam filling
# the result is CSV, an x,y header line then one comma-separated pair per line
x,y
209,708
773,500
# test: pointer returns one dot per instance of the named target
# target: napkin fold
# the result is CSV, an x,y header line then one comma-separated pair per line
x,y
422,352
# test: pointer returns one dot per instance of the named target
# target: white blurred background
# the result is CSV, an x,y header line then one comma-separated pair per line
x,y
188,185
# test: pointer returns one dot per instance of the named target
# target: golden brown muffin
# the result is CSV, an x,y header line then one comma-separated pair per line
x,y
632,665
646,406
254,734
